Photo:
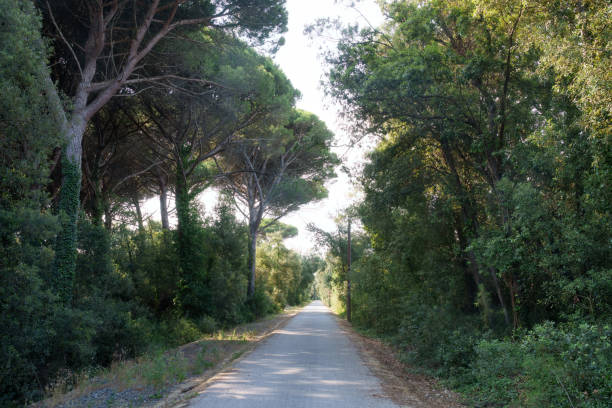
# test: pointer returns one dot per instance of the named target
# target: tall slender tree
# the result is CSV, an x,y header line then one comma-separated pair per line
x,y
101,47
277,168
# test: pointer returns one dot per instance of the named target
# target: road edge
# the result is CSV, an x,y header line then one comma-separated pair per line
x,y
397,382
182,393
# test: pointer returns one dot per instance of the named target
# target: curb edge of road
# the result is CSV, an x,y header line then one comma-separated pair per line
x,y
181,394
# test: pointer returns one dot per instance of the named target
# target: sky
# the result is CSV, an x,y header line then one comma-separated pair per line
x,y
300,60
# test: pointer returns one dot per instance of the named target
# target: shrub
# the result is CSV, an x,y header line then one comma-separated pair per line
x,y
118,335
437,337
260,304
567,366
207,324
175,331
495,373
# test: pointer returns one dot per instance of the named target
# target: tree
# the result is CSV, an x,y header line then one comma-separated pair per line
x,y
189,126
28,136
442,78
280,271
275,169
115,159
344,248
102,46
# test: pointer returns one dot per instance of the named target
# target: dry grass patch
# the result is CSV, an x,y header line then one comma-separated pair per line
x,y
160,376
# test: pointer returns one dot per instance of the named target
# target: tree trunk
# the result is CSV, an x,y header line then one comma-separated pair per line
x,y
185,227
97,207
500,296
136,202
108,215
252,258
348,276
69,204
182,204
163,203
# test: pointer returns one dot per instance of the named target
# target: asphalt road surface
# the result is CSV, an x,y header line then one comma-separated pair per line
x,y
309,363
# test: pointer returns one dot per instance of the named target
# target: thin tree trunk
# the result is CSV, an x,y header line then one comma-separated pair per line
x,y
97,201
467,216
185,226
108,216
500,296
69,205
136,203
252,258
348,276
513,293
163,203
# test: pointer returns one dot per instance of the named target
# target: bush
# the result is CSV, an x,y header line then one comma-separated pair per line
x,y
176,331
437,337
567,366
207,324
118,335
260,304
495,373
25,334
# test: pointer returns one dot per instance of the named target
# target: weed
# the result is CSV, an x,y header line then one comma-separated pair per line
x,y
237,354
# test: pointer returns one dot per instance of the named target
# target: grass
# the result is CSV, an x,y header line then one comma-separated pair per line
x,y
160,368
156,369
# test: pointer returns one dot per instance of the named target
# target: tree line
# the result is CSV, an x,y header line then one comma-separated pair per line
x,y
485,248
108,104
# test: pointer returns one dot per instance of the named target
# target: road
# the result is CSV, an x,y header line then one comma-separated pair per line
x,y
308,363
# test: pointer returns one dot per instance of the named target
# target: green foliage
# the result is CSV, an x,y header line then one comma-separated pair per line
x,y
260,303
27,136
567,365
551,365
149,258
495,373
26,339
28,132
487,199
217,286
275,228
283,274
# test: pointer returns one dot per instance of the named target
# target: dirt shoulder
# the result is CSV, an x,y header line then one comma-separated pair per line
x,y
398,382
170,378
230,352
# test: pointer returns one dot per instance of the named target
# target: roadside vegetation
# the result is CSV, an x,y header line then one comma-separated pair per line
x,y
106,106
481,247
484,250
162,375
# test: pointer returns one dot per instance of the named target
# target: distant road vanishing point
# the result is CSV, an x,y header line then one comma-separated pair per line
x,y
308,363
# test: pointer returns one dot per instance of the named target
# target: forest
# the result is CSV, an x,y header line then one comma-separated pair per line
x,y
108,105
481,243
484,253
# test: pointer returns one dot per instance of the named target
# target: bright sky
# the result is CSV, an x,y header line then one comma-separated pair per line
x,y
300,60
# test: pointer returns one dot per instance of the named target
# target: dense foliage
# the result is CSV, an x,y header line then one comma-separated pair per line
x,y
481,246
487,199
85,279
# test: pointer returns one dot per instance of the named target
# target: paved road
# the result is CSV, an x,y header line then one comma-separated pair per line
x,y
309,363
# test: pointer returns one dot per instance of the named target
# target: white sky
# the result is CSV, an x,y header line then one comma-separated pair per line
x,y
300,60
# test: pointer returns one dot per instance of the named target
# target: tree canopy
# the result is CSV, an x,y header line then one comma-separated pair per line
x,y
483,199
